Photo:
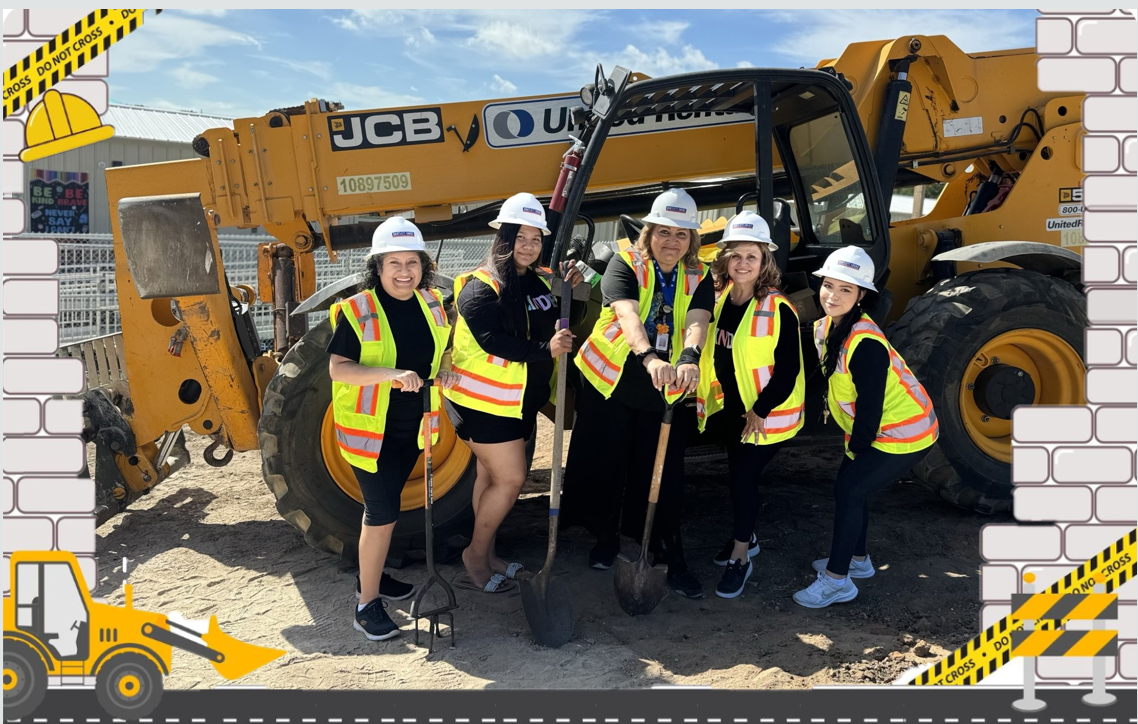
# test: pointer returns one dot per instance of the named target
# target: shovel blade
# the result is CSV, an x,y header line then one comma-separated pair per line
x,y
240,658
548,605
639,587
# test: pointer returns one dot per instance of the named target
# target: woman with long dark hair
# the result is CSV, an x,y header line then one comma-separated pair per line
x,y
394,330
658,299
885,413
505,343
751,373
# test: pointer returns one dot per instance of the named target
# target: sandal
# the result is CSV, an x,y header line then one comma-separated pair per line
x,y
497,583
513,569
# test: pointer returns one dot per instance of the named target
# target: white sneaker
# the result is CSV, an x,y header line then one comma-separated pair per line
x,y
826,590
858,569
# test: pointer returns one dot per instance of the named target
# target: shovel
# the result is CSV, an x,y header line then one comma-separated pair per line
x,y
548,602
640,587
433,577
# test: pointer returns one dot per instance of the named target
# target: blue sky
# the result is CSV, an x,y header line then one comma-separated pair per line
x,y
247,62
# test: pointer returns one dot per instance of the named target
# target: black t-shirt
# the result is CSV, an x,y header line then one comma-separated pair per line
x,y
534,308
619,282
414,345
786,359
869,367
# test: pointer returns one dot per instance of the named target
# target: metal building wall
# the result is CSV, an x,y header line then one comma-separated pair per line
x,y
95,158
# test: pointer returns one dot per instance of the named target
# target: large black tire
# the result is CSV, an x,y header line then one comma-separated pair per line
x,y
25,680
293,464
128,686
938,335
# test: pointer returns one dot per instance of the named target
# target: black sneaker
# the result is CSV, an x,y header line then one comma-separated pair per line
x,y
684,583
734,578
372,621
390,588
603,554
723,557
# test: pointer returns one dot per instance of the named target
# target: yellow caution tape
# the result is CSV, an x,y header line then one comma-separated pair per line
x,y
66,53
981,656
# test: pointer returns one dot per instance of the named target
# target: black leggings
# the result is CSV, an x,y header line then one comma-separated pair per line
x,y
858,479
745,464
609,468
381,490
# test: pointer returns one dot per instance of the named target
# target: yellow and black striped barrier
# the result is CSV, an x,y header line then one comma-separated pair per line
x,y
984,654
1064,607
1065,643
66,53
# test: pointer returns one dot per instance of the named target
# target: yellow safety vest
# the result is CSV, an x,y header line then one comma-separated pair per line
x,y
753,353
489,384
360,412
601,358
908,422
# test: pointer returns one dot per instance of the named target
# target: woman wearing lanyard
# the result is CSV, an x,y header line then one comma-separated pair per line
x,y
658,299
393,330
751,372
886,415
505,344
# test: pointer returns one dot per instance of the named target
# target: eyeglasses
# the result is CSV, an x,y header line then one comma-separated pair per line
x,y
527,242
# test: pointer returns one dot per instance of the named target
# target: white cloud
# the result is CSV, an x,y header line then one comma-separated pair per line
x,y
174,38
744,64
654,63
523,36
667,32
188,78
319,68
355,96
426,35
819,34
501,85
210,12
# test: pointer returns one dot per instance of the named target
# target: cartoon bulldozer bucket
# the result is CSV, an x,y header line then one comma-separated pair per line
x,y
56,634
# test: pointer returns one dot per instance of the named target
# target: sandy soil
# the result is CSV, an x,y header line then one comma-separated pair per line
x,y
210,542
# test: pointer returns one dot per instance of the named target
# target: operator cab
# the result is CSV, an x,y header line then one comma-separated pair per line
x,y
810,170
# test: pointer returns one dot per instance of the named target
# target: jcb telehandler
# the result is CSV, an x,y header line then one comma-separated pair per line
x,y
983,291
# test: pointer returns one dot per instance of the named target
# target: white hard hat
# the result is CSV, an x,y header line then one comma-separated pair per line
x,y
674,207
522,209
396,234
747,226
850,264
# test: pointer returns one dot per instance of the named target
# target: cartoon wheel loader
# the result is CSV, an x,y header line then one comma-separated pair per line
x,y
57,635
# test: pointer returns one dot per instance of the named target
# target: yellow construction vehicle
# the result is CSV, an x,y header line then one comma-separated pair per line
x,y
983,290
57,635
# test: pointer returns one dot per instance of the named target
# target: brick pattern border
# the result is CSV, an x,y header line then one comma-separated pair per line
x,y
46,505
1074,467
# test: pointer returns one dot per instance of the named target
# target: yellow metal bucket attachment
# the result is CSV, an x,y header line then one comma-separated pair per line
x,y
240,658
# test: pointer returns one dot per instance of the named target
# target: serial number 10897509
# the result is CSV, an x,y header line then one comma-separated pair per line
x,y
373,183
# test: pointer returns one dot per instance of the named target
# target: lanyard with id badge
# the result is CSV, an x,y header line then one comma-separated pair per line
x,y
663,330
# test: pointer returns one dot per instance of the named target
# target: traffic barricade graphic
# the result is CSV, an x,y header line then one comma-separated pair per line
x,y
1059,608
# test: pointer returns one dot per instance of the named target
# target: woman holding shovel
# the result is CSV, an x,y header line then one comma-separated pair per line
x,y
393,331
752,374
658,300
505,344
886,415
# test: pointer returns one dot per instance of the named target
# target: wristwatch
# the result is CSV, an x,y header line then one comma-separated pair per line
x,y
641,356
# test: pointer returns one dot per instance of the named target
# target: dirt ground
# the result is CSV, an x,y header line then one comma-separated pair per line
x,y
210,542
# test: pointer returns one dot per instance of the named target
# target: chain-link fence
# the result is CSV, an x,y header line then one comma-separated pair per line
x,y
88,304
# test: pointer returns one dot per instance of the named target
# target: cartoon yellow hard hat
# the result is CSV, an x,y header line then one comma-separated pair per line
x,y
62,122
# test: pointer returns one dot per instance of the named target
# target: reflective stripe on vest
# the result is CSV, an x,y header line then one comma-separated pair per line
x,y
602,356
487,383
753,350
908,420
360,411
